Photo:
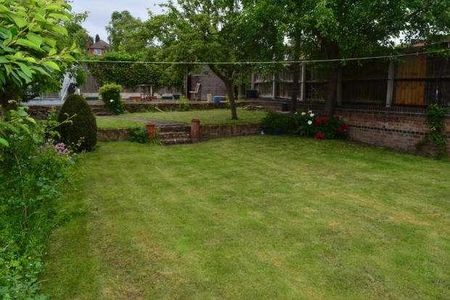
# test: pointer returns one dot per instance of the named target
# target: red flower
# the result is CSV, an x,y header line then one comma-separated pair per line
x,y
342,129
321,120
319,136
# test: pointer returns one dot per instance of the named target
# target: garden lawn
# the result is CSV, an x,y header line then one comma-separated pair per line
x,y
256,217
213,116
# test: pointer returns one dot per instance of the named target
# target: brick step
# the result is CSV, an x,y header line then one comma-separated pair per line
x,y
174,135
176,141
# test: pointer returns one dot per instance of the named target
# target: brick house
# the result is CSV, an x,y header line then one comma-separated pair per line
x,y
98,48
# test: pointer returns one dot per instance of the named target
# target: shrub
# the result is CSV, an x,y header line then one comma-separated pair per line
x,y
184,104
138,135
305,124
277,123
79,126
111,97
32,172
435,120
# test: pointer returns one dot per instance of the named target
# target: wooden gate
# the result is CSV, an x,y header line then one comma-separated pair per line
x,y
410,81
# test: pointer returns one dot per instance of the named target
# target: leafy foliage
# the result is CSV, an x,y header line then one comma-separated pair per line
x,y
435,117
31,173
29,36
138,135
127,75
111,97
79,127
126,33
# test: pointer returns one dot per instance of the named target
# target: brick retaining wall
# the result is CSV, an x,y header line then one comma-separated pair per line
x,y
396,130
112,135
219,131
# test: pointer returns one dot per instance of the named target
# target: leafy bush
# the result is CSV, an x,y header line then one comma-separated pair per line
x,y
184,104
305,124
435,119
32,171
138,135
79,127
277,123
111,97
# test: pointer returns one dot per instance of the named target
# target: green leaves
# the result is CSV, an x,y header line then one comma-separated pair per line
x,y
51,65
3,142
32,40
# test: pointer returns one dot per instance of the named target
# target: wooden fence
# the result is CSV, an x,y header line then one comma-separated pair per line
x,y
412,81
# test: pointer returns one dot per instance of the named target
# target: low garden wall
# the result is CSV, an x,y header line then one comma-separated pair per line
x,y
112,135
219,131
393,129
207,132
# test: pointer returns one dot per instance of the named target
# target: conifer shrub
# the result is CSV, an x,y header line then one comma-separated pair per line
x,y
78,127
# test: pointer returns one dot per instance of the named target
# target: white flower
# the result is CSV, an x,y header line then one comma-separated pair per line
x,y
312,115
309,111
309,122
262,132
111,101
303,113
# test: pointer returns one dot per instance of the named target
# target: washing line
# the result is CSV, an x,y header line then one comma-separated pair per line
x,y
281,62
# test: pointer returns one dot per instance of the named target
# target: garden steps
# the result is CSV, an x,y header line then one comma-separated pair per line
x,y
174,134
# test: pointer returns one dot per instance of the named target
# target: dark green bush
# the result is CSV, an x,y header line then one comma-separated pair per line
x,y
138,135
79,128
277,123
111,97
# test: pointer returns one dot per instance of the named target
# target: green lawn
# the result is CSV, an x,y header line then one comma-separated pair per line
x,y
250,218
215,116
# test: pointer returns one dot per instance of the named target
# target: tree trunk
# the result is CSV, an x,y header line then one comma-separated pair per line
x,y
227,79
231,97
332,90
332,52
295,87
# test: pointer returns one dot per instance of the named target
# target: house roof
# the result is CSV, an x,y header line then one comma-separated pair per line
x,y
99,45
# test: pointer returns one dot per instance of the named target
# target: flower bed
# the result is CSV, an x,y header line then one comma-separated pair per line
x,y
305,124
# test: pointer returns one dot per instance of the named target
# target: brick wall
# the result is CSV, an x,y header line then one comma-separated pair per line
x,y
219,131
396,130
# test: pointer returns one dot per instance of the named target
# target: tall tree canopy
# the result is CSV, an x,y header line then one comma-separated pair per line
x,y
126,33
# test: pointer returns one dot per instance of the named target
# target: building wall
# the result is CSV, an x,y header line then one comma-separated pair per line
x,y
210,84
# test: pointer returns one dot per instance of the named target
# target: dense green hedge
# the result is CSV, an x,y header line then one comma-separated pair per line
x,y
79,126
126,74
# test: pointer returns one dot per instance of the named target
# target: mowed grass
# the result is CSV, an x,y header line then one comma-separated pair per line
x,y
249,218
213,116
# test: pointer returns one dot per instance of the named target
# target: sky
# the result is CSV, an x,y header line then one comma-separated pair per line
x,y
100,12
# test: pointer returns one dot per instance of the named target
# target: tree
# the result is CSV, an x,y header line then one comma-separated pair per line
x,y
126,33
217,31
335,29
29,35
